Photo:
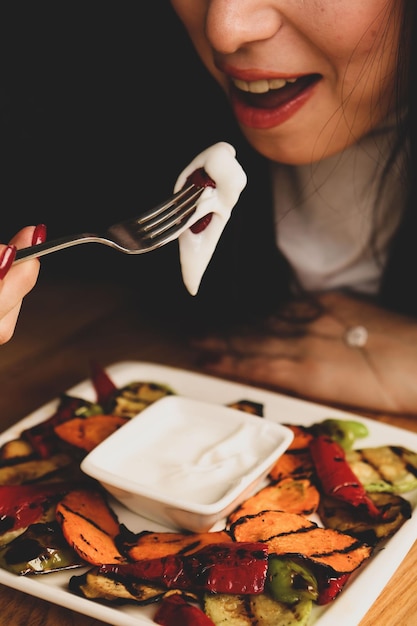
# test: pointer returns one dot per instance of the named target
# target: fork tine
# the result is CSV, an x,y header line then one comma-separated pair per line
x,y
169,214
173,202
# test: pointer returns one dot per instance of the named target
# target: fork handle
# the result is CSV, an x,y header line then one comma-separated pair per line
x,y
32,252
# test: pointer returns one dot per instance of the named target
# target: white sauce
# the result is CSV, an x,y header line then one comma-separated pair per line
x,y
196,249
200,465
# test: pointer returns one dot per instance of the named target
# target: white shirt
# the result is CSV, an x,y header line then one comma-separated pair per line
x,y
324,215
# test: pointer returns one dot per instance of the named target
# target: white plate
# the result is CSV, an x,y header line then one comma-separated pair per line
x,y
363,588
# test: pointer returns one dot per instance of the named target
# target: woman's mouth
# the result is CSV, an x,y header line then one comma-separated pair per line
x,y
269,102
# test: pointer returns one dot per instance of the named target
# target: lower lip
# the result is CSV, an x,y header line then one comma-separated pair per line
x,y
253,117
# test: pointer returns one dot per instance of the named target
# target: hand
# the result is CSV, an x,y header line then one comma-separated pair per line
x,y
17,280
313,359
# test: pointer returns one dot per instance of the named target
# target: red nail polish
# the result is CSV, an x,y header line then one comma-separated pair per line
x,y
39,234
6,260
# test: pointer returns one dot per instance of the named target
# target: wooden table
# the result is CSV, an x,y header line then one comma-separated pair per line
x,y
61,328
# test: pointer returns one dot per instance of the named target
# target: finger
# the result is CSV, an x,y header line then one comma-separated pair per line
x,y
8,324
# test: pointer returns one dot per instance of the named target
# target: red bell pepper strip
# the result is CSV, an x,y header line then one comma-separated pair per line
x,y
175,610
329,588
236,567
103,385
200,178
22,505
336,476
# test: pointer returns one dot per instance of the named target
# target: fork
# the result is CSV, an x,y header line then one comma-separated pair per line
x,y
144,233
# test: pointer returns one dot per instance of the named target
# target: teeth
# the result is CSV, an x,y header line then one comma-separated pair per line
x,y
261,86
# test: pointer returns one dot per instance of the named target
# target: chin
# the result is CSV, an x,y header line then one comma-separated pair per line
x,y
297,149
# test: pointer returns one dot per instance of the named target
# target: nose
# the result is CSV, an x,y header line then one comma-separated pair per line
x,y
231,24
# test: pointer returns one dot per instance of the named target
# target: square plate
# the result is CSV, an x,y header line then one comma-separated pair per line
x,y
364,586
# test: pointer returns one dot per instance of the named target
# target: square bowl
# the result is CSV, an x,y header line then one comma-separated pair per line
x,y
186,463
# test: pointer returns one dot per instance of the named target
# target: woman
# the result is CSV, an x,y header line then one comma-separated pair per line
x,y
322,91
305,291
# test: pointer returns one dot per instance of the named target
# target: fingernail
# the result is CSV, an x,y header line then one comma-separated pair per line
x,y
6,260
39,234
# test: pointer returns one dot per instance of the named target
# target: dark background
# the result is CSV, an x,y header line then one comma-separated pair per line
x,y
102,104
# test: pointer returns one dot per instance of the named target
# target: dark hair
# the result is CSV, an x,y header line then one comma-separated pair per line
x,y
396,293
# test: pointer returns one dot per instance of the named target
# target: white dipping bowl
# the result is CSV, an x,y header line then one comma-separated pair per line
x,y
185,463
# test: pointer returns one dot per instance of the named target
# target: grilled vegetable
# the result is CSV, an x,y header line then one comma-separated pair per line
x,y
35,469
131,399
148,545
339,515
302,437
40,549
15,451
291,535
248,406
42,437
231,610
175,610
289,582
290,495
336,476
385,468
296,464
87,432
107,587
296,461
218,568
89,525
22,505
104,387
344,432
330,586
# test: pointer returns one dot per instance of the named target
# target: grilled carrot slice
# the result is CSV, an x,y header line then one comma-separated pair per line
x,y
90,526
267,524
302,437
150,545
88,432
323,546
294,535
290,495
293,464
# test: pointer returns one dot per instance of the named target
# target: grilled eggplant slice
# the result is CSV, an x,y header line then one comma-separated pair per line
x,y
41,549
248,406
340,516
107,587
32,470
131,399
255,610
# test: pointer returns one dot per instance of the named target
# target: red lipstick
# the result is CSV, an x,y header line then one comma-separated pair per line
x,y
272,108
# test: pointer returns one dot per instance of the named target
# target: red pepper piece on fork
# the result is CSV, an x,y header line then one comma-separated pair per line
x,y
175,610
336,476
200,178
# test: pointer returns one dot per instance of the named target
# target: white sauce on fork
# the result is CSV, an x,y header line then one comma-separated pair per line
x,y
196,249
